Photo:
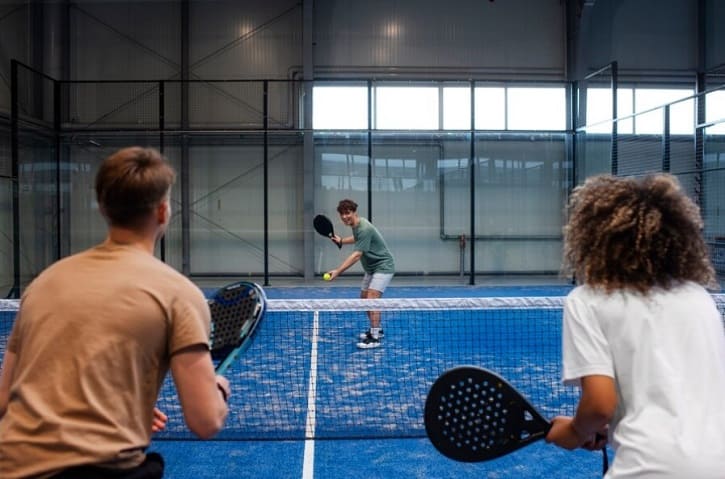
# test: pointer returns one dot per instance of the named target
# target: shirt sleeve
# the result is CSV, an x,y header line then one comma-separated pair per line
x,y
14,339
585,350
190,321
363,240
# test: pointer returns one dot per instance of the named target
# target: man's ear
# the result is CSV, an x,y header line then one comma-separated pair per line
x,y
163,212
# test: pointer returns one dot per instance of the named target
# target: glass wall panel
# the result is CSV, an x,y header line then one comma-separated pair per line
x,y
6,235
83,154
341,171
286,203
593,154
712,193
521,188
38,197
226,204
409,194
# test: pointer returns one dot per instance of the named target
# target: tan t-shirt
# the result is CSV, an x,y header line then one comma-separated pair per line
x,y
93,339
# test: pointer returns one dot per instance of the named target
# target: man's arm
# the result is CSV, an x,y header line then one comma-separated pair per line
x,y
6,376
593,414
341,240
204,406
349,261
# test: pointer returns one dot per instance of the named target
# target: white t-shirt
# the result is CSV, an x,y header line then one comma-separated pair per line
x,y
666,352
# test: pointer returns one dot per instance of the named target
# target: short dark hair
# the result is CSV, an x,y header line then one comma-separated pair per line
x,y
131,183
346,205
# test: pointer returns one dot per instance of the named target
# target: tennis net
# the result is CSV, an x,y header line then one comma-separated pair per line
x,y
304,378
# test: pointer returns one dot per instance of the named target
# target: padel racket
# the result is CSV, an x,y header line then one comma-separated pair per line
x,y
323,226
236,310
472,415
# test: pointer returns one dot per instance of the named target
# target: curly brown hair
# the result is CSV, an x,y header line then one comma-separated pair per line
x,y
636,234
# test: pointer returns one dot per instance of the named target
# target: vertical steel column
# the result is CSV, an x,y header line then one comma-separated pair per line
x,y
700,104
162,246
265,126
58,170
472,169
308,156
666,140
370,150
615,135
184,146
574,92
15,177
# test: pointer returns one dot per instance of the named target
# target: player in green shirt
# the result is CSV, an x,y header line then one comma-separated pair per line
x,y
376,261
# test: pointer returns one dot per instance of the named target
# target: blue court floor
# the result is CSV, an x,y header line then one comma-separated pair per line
x,y
372,458
364,459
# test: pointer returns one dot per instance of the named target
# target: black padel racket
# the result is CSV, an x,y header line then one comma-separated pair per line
x,y
323,226
472,415
236,310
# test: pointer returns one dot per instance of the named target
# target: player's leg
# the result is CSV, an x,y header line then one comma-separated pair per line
x,y
364,288
373,288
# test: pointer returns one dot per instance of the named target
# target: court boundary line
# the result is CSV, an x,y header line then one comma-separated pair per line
x,y
308,464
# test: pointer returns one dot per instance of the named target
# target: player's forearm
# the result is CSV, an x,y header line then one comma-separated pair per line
x,y
349,261
596,407
201,398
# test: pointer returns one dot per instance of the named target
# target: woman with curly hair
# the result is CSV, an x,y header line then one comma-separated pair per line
x,y
642,337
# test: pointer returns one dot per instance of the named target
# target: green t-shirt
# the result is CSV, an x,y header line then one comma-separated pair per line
x,y
376,257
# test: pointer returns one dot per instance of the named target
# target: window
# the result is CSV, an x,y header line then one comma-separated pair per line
x,y
682,114
536,108
490,108
439,107
715,112
635,101
457,108
599,110
406,108
340,108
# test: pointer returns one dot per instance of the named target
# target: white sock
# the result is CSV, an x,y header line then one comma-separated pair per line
x,y
375,333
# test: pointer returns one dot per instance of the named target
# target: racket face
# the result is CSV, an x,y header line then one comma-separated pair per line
x,y
323,226
472,415
236,310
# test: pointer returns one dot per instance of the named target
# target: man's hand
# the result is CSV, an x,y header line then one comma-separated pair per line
x,y
159,421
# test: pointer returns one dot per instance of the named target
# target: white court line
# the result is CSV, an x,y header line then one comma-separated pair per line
x,y
308,465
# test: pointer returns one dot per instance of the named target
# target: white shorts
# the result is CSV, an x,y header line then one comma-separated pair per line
x,y
376,281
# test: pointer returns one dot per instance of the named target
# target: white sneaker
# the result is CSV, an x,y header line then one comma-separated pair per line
x,y
363,336
369,342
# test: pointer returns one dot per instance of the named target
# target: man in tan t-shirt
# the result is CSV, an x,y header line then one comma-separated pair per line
x,y
96,334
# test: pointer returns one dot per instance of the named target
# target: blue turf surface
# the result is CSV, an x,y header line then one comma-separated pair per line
x,y
374,458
